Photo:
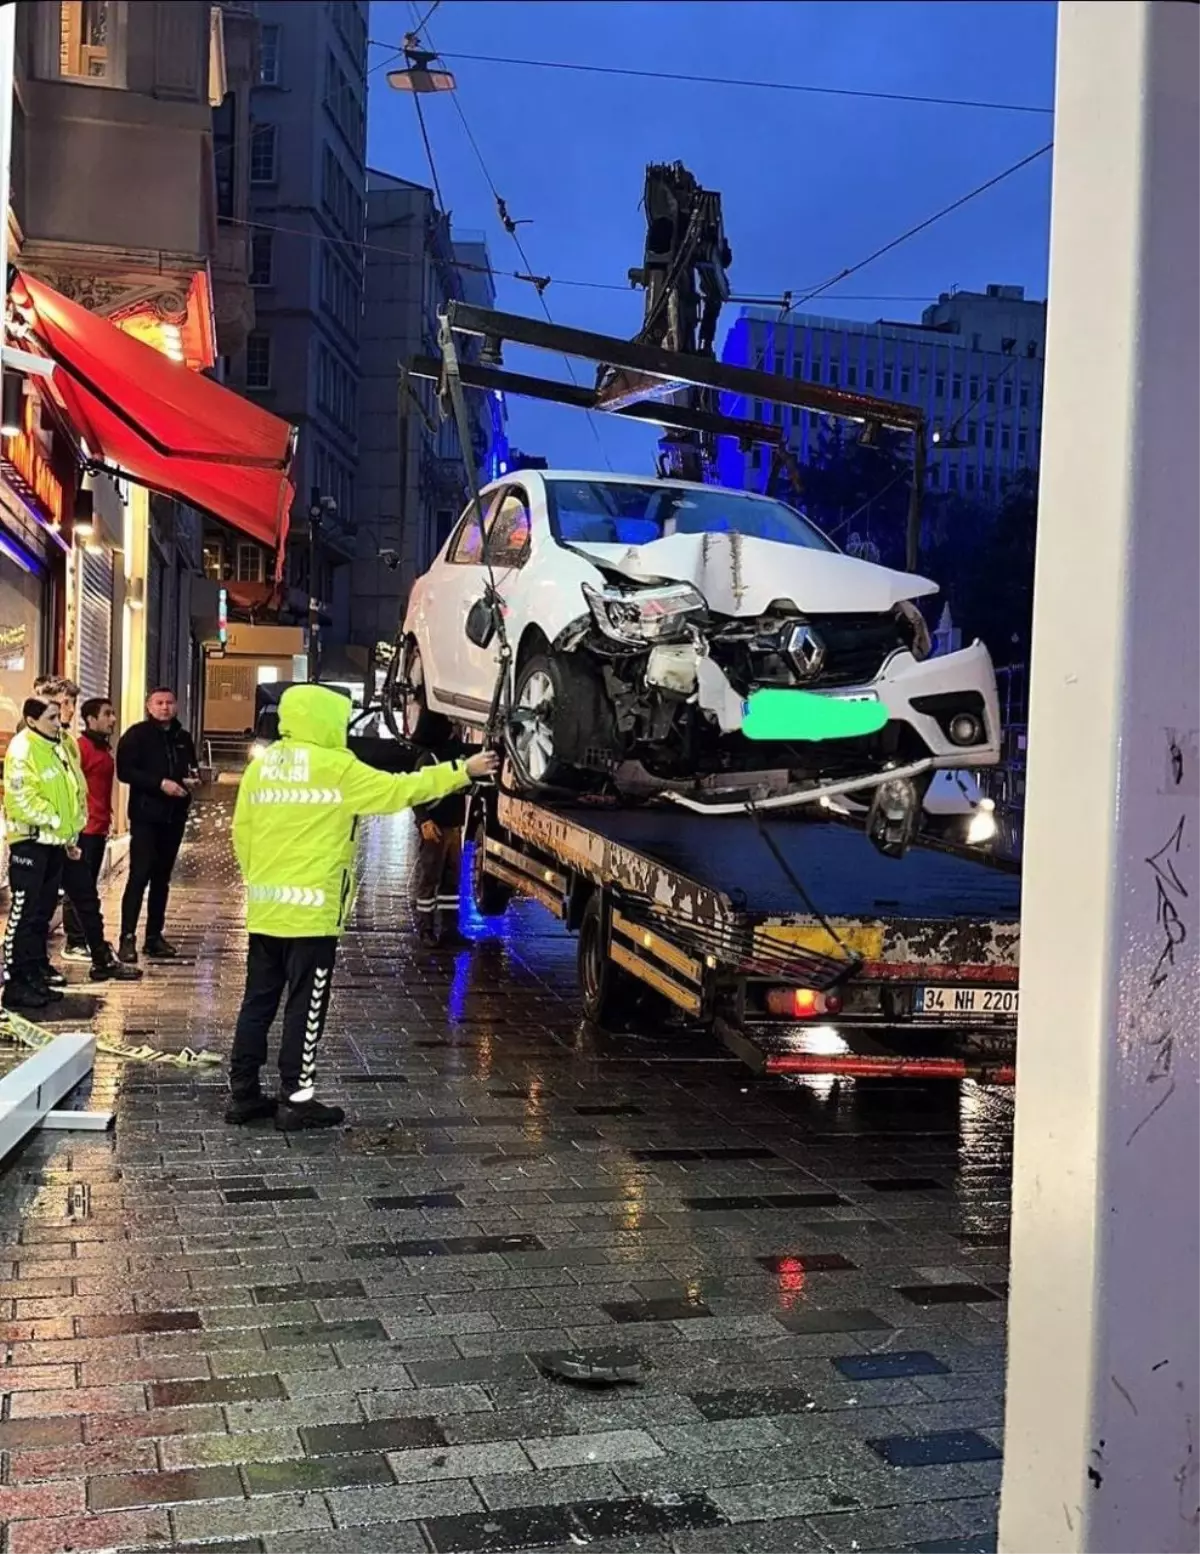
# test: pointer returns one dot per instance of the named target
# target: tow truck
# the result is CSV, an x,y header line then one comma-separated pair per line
x,y
810,942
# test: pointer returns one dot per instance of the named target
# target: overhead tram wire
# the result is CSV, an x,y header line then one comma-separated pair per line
x,y
685,78
929,221
539,283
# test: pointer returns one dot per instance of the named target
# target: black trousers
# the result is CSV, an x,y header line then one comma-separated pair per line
x,y
436,885
303,968
82,917
153,848
34,875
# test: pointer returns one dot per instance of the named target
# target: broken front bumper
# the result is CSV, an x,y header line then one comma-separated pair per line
x,y
929,695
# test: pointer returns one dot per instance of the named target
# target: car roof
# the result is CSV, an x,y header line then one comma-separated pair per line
x,y
607,477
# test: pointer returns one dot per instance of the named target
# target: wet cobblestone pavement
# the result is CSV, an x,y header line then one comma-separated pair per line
x,y
344,1344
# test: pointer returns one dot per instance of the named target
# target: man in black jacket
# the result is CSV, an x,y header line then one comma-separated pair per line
x,y
158,760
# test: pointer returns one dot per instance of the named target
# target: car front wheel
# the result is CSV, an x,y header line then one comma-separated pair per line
x,y
562,725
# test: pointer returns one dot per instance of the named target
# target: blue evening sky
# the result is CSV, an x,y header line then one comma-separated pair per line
x,y
811,184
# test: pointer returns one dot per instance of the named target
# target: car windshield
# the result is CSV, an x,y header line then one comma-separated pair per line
x,y
620,512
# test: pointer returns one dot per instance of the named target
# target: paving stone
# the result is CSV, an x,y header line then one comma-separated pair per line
x,y
201,1451
565,1451
310,1473
379,1435
225,1389
229,1519
938,1446
82,1534
404,1503
125,1491
35,1502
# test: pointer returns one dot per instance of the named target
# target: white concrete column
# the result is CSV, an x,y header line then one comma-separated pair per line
x,y
1103,1428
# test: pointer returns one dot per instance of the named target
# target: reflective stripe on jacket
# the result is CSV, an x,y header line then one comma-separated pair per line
x,y
296,820
42,796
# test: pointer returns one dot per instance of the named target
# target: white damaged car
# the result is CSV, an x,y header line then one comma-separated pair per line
x,y
684,637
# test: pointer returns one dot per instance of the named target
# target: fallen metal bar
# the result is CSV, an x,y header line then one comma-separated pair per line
x,y
805,795
679,370
500,380
34,1088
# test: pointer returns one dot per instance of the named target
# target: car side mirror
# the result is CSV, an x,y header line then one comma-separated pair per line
x,y
481,623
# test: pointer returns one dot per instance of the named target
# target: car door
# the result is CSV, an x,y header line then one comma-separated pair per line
x,y
461,579
506,552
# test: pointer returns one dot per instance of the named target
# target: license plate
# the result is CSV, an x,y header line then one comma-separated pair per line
x,y
965,1003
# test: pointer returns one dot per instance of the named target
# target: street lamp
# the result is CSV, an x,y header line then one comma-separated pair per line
x,y
417,77
318,507
949,441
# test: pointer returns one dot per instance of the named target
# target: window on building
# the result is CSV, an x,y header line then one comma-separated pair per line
x,y
251,563
969,477
1004,439
976,342
815,374
224,132
939,385
797,367
851,375
262,258
974,389
1008,394
870,377
1024,396
263,147
1022,443
989,437
887,380
835,374
268,54
906,381
956,386
87,41
776,362
214,560
952,477
777,414
991,393
258,360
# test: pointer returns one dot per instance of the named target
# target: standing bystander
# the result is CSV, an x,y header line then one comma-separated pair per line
x,y
83,918
157,758
439,856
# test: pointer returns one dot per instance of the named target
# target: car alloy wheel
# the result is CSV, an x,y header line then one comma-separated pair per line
x,y
534,726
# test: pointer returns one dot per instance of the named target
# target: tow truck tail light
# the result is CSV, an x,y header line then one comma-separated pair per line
x,y
802,1003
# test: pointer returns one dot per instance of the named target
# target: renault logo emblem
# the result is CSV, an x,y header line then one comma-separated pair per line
x,y
807,652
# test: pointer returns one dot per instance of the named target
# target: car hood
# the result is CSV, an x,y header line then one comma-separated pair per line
x,y
740,575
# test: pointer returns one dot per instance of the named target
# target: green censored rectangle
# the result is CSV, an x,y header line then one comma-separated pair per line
x,y
782,714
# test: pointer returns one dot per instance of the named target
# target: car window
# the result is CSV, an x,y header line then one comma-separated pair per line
x,y
508,532
466,548
612,512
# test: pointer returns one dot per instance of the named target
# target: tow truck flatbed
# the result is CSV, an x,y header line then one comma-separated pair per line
x,y
759,928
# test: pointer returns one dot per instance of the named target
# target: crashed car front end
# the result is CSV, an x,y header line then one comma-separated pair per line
x,y
698,695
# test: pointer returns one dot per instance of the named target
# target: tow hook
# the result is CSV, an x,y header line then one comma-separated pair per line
x,y
894,816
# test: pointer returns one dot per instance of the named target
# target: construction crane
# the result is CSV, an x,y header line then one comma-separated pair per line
x,y
685,275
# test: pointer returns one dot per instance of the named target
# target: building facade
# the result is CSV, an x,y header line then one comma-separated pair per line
x,y
973,364
413,469
113,204
306,189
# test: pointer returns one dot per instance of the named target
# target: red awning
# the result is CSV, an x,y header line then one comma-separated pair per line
x,y
164,426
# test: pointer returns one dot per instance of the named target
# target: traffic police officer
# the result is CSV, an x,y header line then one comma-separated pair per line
x,y
295,828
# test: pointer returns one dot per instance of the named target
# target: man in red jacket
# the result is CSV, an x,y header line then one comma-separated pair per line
x,y
99,772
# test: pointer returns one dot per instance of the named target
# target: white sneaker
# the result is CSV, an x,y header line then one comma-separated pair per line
x,y
76,952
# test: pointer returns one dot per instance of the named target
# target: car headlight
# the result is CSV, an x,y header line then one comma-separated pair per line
x,y
922,643
982,827
644,615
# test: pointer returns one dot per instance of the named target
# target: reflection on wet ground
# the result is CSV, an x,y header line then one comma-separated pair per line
x,y
352,1344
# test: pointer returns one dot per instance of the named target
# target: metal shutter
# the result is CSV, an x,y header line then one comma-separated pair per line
x,y
95,624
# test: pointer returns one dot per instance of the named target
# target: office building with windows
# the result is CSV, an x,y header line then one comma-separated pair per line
x,y
973,364
307,184
414,480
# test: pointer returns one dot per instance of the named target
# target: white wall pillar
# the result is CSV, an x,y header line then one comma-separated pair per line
x,y
1102,1448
